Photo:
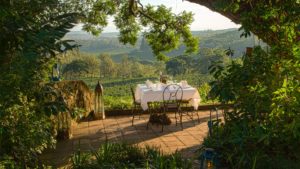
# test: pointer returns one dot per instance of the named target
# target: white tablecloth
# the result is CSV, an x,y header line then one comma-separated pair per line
x,y
143,95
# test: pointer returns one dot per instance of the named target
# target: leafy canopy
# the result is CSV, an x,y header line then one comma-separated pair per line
x,y
163,29
31,33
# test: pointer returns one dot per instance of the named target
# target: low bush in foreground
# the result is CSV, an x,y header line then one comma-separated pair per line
x,y
122,155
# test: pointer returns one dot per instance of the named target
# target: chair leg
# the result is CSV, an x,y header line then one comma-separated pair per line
x,y
180,113
148,124
192,115
140,115
193,119
132,112
150,112
198,116
175,118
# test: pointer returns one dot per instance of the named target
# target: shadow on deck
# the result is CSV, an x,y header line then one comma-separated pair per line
x,y
90,135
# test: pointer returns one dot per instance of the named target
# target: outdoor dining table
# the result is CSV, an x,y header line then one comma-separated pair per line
x,y
145,94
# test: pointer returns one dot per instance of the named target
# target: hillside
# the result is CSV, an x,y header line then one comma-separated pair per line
x,y
109,43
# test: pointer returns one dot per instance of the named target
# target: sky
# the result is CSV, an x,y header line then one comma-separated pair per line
x,y
204,18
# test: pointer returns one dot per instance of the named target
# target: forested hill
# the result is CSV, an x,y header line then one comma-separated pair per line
x,y
108,43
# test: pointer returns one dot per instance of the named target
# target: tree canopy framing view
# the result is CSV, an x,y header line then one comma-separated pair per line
x,y
265,87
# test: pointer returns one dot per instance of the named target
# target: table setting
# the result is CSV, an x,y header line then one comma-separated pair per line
x,y
153,91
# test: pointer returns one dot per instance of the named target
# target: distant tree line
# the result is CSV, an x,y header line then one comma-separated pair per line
x,y
198,63
76,65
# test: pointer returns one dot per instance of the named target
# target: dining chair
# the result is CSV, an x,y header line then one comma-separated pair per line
x,y
136,106
172,98
189,110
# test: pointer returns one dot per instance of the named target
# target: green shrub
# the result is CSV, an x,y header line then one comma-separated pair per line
x,y
118,155
24,133
123,155
80,160
155,159
203,91
117,103
8,162
263,130
77,113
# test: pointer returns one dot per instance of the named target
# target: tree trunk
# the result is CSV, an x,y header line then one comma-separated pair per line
x,y
210,4
236,17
